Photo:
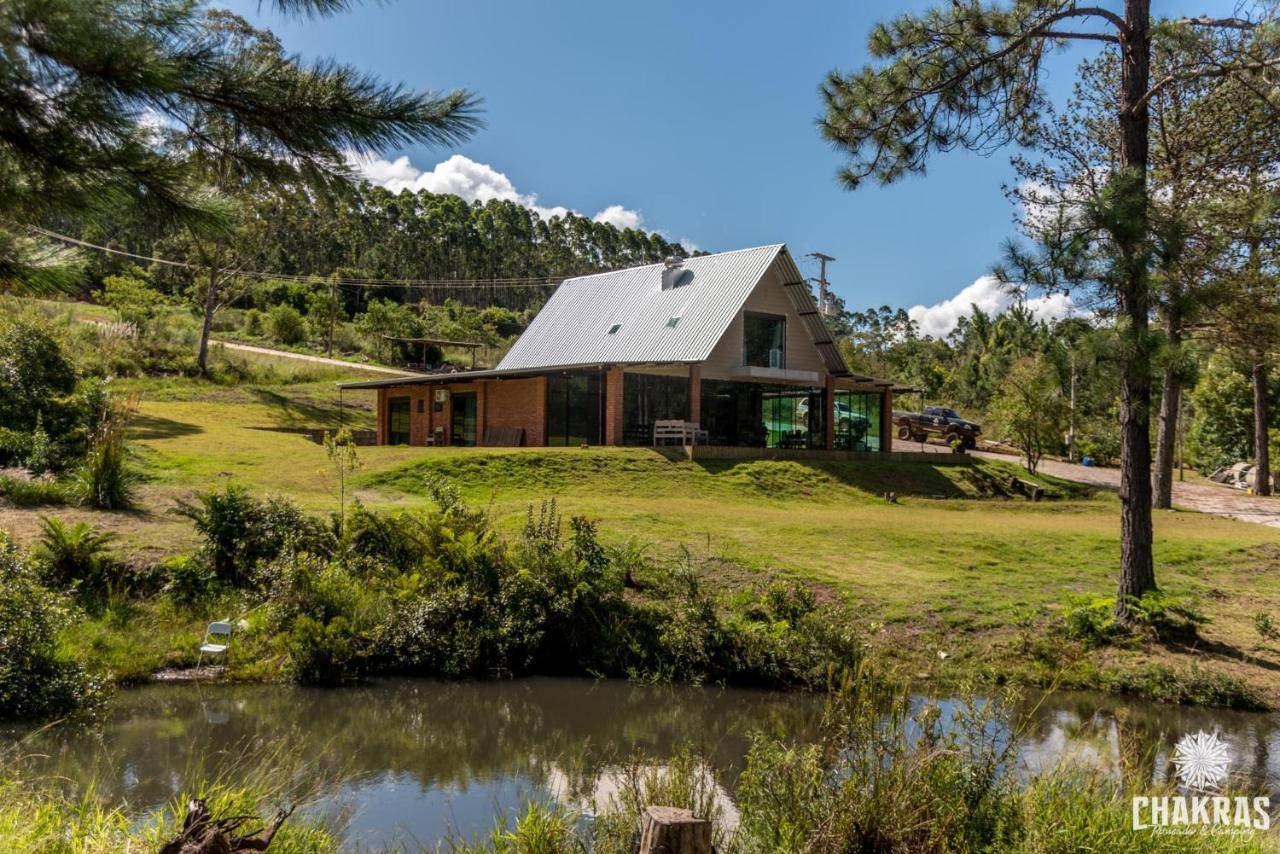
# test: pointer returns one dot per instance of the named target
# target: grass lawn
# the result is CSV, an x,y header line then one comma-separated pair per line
x,y
942,571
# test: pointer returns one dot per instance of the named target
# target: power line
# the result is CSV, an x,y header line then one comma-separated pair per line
x,y
315,279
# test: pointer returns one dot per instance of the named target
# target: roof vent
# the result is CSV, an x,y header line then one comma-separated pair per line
x,y
673,273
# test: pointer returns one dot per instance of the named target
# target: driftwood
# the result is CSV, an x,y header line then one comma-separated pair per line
x,y
204,834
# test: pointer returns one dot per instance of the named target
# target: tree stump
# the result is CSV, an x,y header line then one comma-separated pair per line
x,y
670,830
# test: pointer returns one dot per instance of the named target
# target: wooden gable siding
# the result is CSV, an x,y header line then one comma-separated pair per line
x,y
767,297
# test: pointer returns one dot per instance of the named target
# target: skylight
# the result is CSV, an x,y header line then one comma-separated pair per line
x,y
613,330
671,324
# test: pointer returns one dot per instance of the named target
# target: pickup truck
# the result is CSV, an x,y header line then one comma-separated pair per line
x,y
936,421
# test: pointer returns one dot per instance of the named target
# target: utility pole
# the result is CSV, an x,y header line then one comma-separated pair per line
x,y
824,303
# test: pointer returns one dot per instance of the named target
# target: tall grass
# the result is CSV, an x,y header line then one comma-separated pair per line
x,y
889,775
39,814
23,492
106,480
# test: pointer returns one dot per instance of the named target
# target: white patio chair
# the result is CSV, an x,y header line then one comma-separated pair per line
x,y
217,639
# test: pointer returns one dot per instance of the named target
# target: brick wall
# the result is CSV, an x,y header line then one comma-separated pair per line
x,y
518,403
695,393
613,407
419,396
382,416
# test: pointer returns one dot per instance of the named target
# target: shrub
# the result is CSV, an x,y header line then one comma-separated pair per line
x,y
321,653
72,554
188,580
36,378
240,531
1092,620
1265,626
251,322
286,325
399,539
36,680
134,301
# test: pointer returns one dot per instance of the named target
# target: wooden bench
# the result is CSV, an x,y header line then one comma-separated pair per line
x,y
683,432
503,437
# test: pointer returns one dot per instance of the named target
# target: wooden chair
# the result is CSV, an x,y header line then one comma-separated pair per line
x,y
694,433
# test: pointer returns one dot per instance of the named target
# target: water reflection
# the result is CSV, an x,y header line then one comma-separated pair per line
x,y
416,760
1136,738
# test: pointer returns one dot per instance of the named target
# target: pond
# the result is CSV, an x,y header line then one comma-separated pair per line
x,y
418,761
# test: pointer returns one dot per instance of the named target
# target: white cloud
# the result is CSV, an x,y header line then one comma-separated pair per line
x,y
991,296
474,182
619,217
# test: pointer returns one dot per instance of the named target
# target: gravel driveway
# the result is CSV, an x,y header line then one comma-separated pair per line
x,y
1206,498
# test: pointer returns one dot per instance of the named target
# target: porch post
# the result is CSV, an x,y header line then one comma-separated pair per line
x,y
886,420
613,406
382,416
829,420
537,435
695,393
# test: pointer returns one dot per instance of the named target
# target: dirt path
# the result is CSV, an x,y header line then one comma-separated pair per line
x,y
1202,497
321,360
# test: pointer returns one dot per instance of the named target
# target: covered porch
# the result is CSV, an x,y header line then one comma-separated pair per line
x,y
769,409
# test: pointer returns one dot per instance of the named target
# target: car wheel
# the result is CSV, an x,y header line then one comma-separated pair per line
x,y
904,432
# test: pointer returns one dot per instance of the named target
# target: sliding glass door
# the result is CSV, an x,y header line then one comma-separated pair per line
x,y
575,404
647,398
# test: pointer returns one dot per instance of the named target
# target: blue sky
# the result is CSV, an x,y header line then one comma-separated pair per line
x,y
699,117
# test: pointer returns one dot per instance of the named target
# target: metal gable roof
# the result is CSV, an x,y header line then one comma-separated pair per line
x,y
573,327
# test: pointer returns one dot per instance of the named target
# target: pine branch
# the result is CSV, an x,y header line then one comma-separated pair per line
x,y
1219,23
1204,73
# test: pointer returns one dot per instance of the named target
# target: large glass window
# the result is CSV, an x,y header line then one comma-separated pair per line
x,y
757,415
398,421
857,418
574,404
647,398
764,340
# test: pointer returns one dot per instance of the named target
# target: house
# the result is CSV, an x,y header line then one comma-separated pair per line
x,y
732,341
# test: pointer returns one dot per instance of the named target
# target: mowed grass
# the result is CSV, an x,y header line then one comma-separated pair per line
x,y
951,585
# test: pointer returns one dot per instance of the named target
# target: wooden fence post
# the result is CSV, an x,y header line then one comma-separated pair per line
x,y
670,830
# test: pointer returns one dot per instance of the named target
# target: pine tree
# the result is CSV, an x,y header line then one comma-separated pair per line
x,y
970,75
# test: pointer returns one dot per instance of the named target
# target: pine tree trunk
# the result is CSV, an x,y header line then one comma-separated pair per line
x,y
210,304
1262,453
1170,403
1137,572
